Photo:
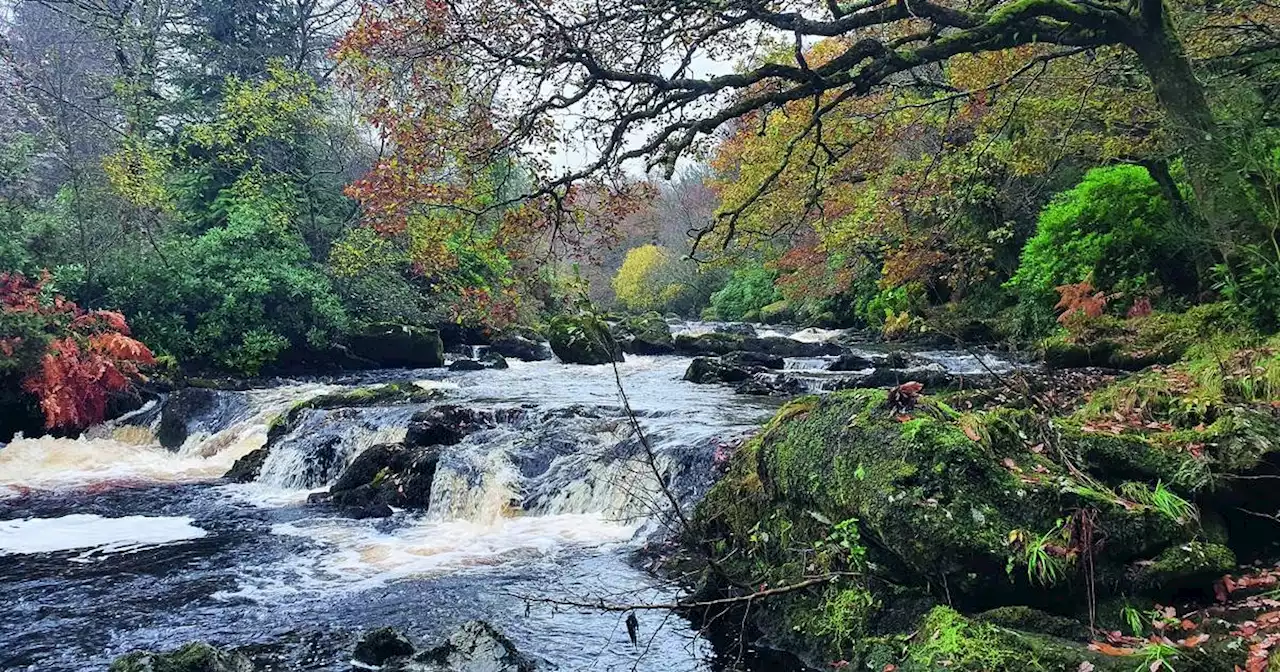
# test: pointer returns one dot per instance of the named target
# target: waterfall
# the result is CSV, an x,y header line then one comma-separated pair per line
x,y
324,441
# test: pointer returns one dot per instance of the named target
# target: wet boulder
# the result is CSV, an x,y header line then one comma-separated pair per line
x,y
465,364
381,477
753,359
197,409
647,334
195,657
583,339
448,424
707,345
247,468
494,360
520,347
708,370
851,362
392,345
474,647
377,647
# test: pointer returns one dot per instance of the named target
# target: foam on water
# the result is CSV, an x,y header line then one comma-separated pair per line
x,y
354,555
49,463
100,535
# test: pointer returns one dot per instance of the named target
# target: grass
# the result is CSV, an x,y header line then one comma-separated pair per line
x,y
1043,565
1163,500
1156,656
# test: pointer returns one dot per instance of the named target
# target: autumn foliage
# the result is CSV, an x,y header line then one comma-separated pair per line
x,y
70,359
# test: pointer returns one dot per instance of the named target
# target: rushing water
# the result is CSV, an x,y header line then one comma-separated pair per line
x,y
110,542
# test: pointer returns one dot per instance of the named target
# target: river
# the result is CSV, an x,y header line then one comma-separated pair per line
x,y
110,542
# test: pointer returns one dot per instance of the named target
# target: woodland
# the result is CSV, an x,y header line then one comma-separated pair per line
x,y
195,192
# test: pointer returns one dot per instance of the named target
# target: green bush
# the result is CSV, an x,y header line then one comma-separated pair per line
x,y
1113,229
236,296
749,289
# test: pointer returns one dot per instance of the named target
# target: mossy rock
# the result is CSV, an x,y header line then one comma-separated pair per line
x,y
777,312
711,344
1193,565
392,345
647,334
195,657
583,339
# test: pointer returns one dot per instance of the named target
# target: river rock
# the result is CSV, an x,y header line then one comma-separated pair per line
x,y
753,359
647,334
851,362
247,468
194,409
465,364
706,345
474,647
195,657
447,424
520,347
391,345
782,346
493,360
706,370
376,647
583,339
383,476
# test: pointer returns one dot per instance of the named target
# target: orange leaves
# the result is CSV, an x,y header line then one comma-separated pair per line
x,y
1079,300
117,346
73,359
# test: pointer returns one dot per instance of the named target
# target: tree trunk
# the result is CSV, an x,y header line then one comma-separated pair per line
x,y
1221,193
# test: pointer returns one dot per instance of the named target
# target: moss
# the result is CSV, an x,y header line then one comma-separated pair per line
x,y
776,313
949,641
840,618
1027,619
1193,564
195,657
582,339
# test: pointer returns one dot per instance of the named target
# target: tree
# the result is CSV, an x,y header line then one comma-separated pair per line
x,y
480,78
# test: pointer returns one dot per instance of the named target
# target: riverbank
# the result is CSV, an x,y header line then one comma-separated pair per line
x,y
1014,529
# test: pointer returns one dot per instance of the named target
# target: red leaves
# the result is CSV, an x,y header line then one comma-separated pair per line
x,y
904,396
1141,308
89,357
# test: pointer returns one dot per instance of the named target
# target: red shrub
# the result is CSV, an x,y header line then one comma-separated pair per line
x,y
71,359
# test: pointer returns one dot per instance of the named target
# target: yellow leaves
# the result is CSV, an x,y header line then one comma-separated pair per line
x,y
638,284
137,171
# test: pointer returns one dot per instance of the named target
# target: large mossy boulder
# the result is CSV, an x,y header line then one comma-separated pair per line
x,y
711,344
583,339
647,334
195,657
1009,510
395,345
